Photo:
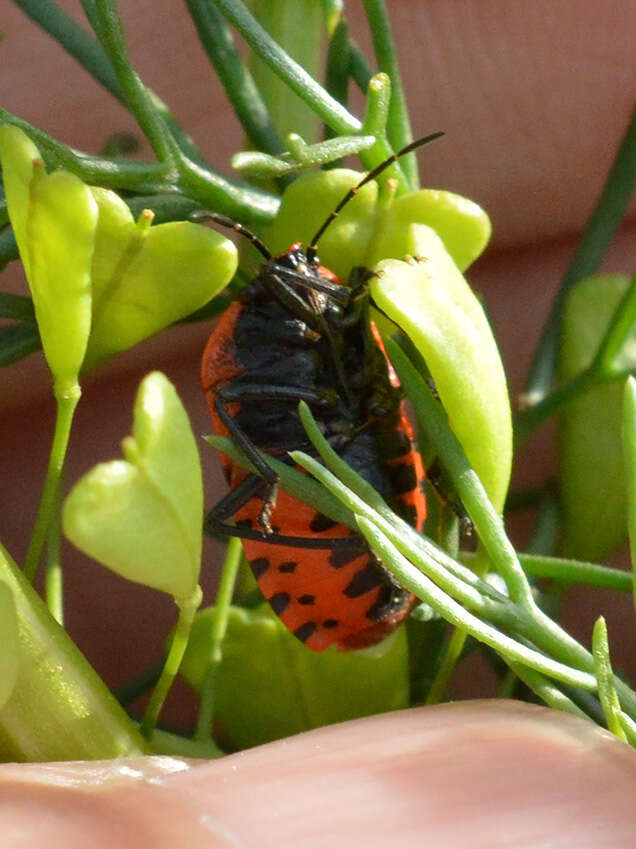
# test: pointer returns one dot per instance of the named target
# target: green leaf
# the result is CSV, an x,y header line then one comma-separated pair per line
x,y
306,204
9,644
629,450
19,158
432,302
370,229
54,219
142,516
590,454
460,223
270,686
145,278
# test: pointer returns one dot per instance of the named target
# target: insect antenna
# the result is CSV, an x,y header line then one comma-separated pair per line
x,y
313,246
202,215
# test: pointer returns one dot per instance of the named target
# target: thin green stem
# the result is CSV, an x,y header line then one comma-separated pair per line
x,y
374,123
605,677
54,576
469,488
74,39
528,622
135,93
424,554
66,405
235,77
602,369
298,29
187,610
629,727
204,187
629,453
571,571
166,743
398,126
449,662
456,615
533,623
332,112
214,192
620,327
598,234
545,689
90,55
361,71
123,174
301,155
528,419
217,635
337,68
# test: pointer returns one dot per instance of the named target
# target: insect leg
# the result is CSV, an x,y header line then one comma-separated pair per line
x,y
253,392
248,488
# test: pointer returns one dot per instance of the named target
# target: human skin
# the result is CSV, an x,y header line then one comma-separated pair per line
x,y
470,775
533,99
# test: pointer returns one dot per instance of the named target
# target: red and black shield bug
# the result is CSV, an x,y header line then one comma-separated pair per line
x,y
298,333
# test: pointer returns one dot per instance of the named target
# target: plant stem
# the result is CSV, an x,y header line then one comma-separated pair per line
x,y
54,577
187,609
66,405
605,677
620,327
337,69
298,29
527,420
235,77
599,231
545,689
332,112
629,453
571,571
398,126
74,39
217,634
90,55
361,71
135,94
424,555
456,615
443,675
485,518
204,187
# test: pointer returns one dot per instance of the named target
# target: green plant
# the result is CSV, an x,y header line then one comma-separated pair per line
x,y
100,276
